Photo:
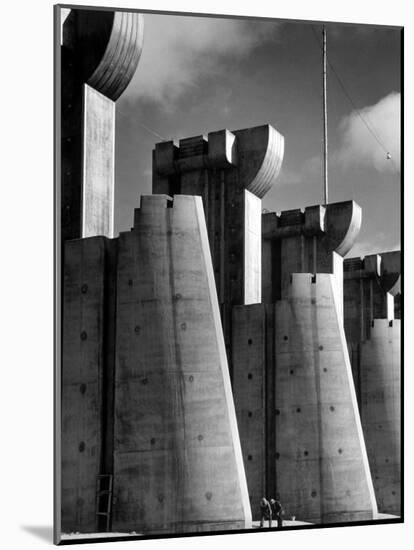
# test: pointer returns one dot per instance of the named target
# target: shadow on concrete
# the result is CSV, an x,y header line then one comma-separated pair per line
x,y
43,532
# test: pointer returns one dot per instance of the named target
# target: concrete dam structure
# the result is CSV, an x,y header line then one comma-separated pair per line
x,y
99,55
146,390
214,354
372,327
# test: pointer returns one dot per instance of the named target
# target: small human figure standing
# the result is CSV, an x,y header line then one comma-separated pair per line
x,y
277,511
265,512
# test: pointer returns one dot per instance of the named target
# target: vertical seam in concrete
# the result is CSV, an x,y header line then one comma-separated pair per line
x,y
222,243
178,451
111,228
83,161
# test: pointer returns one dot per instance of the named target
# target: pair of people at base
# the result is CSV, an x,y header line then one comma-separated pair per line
x,y
270,510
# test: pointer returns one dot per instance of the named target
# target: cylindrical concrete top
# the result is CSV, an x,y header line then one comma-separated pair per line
x,y
107,46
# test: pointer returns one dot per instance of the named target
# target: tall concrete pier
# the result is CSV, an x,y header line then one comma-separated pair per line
x,y
299,383
99,55
231,171
373,336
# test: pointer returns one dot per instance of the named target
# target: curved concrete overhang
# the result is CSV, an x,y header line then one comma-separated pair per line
x,y
107,47
390,277
260,152
338,224
342,225
257,154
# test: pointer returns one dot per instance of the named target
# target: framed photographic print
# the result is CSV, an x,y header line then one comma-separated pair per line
x,y
228,271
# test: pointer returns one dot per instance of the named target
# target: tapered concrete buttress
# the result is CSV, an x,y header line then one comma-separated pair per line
x,y
178,465
322,472
87,377
381,411
371,285
321,463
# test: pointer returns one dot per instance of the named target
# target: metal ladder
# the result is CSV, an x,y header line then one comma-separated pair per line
x,y
103,501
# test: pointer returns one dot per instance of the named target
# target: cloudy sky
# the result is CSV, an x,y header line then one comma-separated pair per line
x,y
198,75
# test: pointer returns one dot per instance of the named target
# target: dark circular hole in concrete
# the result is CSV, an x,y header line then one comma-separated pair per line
x,y
285,337
313,494
152,440
130,282
306,453
177,296
82,388
250,341
82,446
325,370
200,437
250,414
393,492
298,410
277,456
313,301
249,457
83,335
250,376
277,411
183,326
209,495
292,372
331,408
137,329
191,378
340,451
386,460
84,289
321,347
144,381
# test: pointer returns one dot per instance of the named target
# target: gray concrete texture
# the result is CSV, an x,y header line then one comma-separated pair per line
x,y
322,471
381,411
177,459
86,371
371,286
99,55
231,171
98,164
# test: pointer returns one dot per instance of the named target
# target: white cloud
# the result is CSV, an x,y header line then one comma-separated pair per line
x,y
178,51
360,148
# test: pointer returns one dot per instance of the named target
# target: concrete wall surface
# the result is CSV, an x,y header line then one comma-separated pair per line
x,y
249,389
231,171
177,459
84,371
98,164
381,411
322,472
371,288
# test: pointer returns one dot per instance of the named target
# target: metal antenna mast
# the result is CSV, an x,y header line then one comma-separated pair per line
x,y
325,119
